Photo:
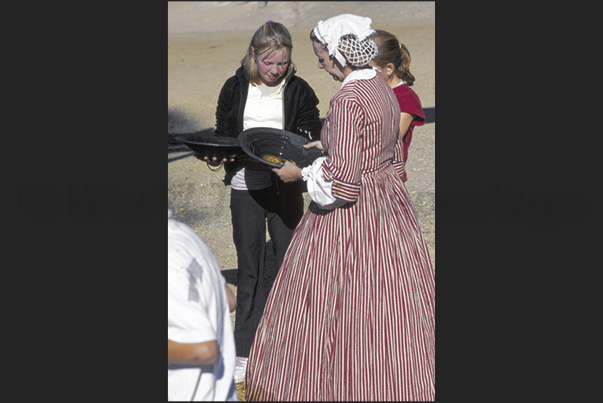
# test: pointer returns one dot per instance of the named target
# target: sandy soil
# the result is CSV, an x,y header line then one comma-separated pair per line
x,y
207,40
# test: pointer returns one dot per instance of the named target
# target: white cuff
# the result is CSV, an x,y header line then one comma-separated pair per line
x,y
319,189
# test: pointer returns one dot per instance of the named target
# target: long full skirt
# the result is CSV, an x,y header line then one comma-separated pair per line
x,y
351,314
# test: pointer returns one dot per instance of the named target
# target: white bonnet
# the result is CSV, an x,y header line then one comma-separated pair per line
x,y
358,47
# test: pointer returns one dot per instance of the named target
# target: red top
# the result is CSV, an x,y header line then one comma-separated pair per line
x,y
410,103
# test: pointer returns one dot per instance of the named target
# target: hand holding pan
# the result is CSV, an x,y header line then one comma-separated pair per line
x,y
215,150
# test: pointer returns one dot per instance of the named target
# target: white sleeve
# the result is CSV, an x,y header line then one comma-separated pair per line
x,y
320,189
191,297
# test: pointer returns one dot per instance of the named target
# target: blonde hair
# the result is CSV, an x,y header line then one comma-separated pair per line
x,y
392,51
268,39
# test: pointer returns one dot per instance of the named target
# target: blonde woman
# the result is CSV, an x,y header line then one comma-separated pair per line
x,y
264,92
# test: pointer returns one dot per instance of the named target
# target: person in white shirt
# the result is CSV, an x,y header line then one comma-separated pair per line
x,y
201,350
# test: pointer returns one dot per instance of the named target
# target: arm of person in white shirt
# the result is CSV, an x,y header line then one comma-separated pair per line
x,y
205,353
232,300
199,353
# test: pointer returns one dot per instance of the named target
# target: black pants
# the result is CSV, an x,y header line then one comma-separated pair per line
x,y
282,206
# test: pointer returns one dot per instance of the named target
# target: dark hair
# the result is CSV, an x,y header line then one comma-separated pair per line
x,y
269,38
313,38
392,51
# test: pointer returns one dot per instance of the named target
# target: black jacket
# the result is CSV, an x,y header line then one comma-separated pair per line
x,y
300,109
300,106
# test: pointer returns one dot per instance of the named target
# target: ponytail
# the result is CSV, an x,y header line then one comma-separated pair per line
x,y
404,68
392,51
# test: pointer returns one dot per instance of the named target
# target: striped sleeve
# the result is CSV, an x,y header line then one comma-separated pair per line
x,y
319,188
344,165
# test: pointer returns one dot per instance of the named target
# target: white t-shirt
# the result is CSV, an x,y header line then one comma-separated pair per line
x,y
261,110
198,311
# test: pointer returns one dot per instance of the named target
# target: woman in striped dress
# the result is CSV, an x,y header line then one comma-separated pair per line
x,y
351,314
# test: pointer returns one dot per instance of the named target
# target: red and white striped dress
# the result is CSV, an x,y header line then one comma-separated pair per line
x,y
351,314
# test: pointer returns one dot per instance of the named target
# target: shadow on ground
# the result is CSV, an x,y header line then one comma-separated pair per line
x,y
429,115
175,145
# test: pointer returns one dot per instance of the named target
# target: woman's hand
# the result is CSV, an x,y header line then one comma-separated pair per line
x,y
289,172
317,144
